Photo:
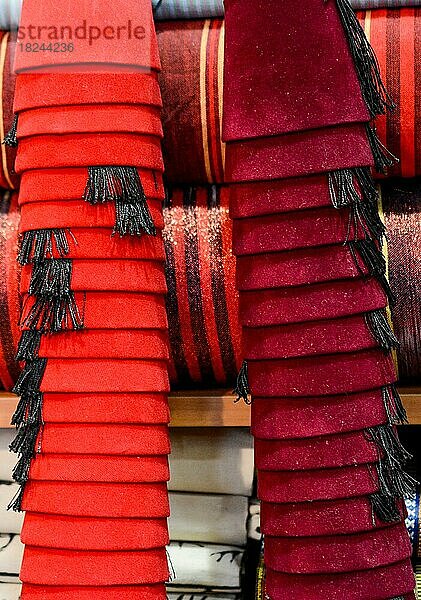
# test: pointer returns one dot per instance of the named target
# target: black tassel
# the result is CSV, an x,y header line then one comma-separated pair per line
x,y
20,472
384,508
54,314
374,260
383,158
367,214
28,410
16,502
106,184
10,138
25,440
28,347
350,186
393,480
379,326
133,218
29,381
393,404
51,277
40,244
242,389
55,307
375,95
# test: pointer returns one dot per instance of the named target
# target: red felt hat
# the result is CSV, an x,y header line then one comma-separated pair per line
x,y
320,452
349,334
106,343
299,154
287,70
297,267
338,554
320,518
374,584
62,214
323,484
148,500
110,275
258,198
90,149
44,185
284,418
50,566
87,118
82,533
326,375
136,592
110,310
66,89
310,302
105,438
99,468
105,375
112,34
289,231
105,408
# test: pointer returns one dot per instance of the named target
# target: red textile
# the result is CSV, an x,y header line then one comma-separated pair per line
x,y
94,534
137,592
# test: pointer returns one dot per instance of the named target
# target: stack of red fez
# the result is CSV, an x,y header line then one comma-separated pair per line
x,y
92,418
301,90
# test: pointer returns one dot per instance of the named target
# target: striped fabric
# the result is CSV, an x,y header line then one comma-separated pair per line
x,y
9,302
8,178
192,54
396,38
202,301
187,9
364,4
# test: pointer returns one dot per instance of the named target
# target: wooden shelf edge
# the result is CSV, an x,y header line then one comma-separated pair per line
x,y
216,408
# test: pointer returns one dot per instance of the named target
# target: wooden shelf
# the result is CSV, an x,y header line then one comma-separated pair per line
x,y
217,408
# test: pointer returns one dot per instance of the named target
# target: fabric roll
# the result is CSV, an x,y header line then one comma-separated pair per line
x,y
214,519
395,38
202,301
10,591
184,9
192,54
212,461
210,566
401,208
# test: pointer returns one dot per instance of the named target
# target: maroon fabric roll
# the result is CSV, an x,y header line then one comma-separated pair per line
x,y
338,554
349,334
338,450
267,93
298,154
284,418
328,375
321,517
323,484
383,583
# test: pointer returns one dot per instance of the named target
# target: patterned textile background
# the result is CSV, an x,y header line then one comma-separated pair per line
x,y
202,300
192,57
401,201
396,38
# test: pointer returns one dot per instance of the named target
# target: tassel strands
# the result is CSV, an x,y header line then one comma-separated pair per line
x,y
373,90
10,139
383,158
55,307
385,508
123,186
40,244
29,421
242,388
394,407
379,326
368,252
